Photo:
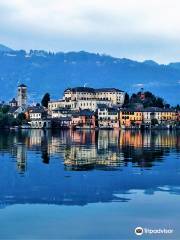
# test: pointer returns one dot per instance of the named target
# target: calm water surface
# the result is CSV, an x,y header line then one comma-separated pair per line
x,y
89,185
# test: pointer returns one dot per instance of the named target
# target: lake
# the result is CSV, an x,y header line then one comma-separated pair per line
x,y
89,184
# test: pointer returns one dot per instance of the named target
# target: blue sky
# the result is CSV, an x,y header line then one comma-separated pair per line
x,y
136,29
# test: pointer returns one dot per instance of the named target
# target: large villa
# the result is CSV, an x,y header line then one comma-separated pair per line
x,y
88,98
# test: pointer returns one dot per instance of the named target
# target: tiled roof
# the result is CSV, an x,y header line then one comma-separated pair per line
x,y
102,106
22,85
84,112
36,109
108,90
156,109
13,101
12,109
66,110
149,109
81,89
92,90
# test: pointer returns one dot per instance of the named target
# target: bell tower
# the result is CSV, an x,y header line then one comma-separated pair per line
x,y
22,95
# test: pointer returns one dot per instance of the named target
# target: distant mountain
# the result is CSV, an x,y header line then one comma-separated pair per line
x,y
150,63
4,48
53,72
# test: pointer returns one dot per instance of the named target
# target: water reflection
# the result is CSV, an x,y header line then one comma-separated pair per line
x,y
56,165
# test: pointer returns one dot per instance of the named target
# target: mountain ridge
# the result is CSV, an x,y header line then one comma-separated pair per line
x,y
4,48
51,72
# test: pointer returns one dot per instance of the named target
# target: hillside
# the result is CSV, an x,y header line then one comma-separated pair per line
x,y
50,72
3,48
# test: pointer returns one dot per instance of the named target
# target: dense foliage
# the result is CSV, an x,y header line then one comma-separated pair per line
x,y
45,100
146,99
7,120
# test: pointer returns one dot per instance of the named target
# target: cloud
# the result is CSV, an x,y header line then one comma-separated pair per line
x,y
138,85
137,29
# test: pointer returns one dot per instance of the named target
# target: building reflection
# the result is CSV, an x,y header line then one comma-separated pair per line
x,y
83,150
21,158
52,164
112,149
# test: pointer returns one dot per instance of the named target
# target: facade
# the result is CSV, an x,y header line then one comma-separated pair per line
x,y
113,95
38,118
52,105
78,104
91,104
161,115
108,117
61,112
22,95
178,116
130,118
61,122
84,119
81,98
40,123
13,103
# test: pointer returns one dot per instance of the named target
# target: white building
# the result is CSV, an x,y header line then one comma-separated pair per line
x,y
60,104
107,117
61,112
114,95
91,104
38,118
88,98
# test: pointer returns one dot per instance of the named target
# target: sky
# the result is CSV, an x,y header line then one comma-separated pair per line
x,y
135,29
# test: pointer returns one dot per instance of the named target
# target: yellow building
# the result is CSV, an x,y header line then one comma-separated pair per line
x,y
161,115
168,115
130,118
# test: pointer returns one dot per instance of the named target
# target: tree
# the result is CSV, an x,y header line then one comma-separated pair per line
x,y
167,105
6,120
135,98
45,100
154,121
21,118
5,109
159,102
177,107
126,99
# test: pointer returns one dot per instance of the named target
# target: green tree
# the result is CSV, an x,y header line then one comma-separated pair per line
x,y
126,99
5,109
21,118
159,102
45,100
6,120
177,107
154,121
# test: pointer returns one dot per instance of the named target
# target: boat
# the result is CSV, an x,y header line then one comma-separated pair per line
x,y
25,126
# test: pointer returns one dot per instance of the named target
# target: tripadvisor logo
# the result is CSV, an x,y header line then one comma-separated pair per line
x,y
138,231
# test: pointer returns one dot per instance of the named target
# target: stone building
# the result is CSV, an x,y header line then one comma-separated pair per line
x,y
22,95
116,96
88,98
